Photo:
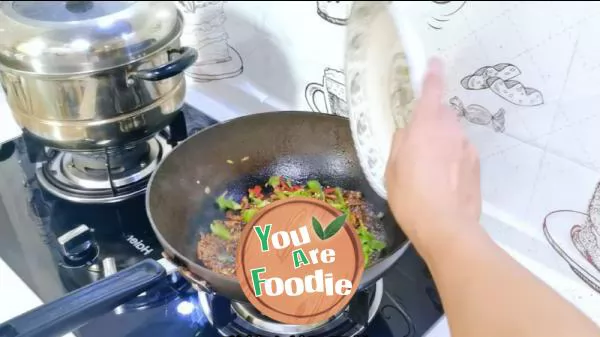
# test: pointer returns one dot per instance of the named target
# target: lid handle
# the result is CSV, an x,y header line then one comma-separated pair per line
x,y
175,67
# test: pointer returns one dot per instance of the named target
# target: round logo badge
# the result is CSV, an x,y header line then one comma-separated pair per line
x,y
299,261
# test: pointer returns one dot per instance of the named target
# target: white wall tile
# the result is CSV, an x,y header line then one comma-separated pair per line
x,y
561,185
509,177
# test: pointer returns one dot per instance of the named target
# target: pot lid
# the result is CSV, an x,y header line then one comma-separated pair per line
x,y
76,37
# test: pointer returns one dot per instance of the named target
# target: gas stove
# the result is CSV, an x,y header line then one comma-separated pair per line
x,y
58,239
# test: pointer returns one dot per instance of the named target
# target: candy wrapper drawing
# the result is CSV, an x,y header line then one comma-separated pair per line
x,y
477,114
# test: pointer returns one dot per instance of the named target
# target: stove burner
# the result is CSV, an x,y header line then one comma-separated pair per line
x,y
85,177
242,319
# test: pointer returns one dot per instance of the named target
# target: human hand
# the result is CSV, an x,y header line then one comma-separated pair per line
x,y
432,175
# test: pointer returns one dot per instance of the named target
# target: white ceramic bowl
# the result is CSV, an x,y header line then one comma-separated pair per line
x,y
385,64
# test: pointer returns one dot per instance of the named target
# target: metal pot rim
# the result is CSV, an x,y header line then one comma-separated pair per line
x,y
69,43
85,74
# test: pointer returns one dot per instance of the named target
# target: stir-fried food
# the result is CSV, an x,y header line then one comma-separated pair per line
x,y
217,249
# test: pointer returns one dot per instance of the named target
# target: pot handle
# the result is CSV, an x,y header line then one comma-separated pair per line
x,y
70,312
175,67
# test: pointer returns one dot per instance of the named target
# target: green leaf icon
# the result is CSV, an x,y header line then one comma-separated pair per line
x,y
318,229
331,229
335,226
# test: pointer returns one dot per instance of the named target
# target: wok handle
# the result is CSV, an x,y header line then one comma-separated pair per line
x,y
70,312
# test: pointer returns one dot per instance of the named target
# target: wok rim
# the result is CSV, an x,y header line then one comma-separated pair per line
x,y
175,255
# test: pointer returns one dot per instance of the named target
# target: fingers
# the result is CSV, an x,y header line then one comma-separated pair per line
x,y
433,91
397,141
475,157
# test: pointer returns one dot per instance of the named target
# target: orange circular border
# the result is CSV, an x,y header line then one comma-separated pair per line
x,y
322,315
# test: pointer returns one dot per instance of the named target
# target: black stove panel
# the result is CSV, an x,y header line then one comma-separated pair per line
x,y
42,239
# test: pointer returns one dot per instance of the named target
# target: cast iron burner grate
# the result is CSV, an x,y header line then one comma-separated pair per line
x,y
102,177
237,319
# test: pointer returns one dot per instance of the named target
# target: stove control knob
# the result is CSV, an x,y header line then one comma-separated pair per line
x,y
78,246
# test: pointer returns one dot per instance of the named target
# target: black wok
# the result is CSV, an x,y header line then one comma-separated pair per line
x,y
297,145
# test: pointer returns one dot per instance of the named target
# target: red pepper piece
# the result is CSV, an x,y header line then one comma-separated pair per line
x,y
256,191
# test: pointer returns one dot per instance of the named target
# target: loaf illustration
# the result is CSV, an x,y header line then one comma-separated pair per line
x,y
586,236
478,80
594,208
585,240
515,92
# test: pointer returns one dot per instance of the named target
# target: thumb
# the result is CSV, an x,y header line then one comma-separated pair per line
x,y
432,93
397,141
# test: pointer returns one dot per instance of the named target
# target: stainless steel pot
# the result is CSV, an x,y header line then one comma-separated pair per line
x,y
86,75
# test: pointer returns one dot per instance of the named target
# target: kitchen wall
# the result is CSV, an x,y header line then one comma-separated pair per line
x,y
536,115
282,46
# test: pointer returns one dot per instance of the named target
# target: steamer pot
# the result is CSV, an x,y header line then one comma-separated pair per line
x,y
87,75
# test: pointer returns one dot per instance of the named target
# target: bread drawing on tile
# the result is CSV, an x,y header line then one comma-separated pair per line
x,y
478,80
585,236
594,208
500,79
477,114
585,240
515,92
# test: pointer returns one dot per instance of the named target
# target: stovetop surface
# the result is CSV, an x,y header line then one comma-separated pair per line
x,y
31,220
